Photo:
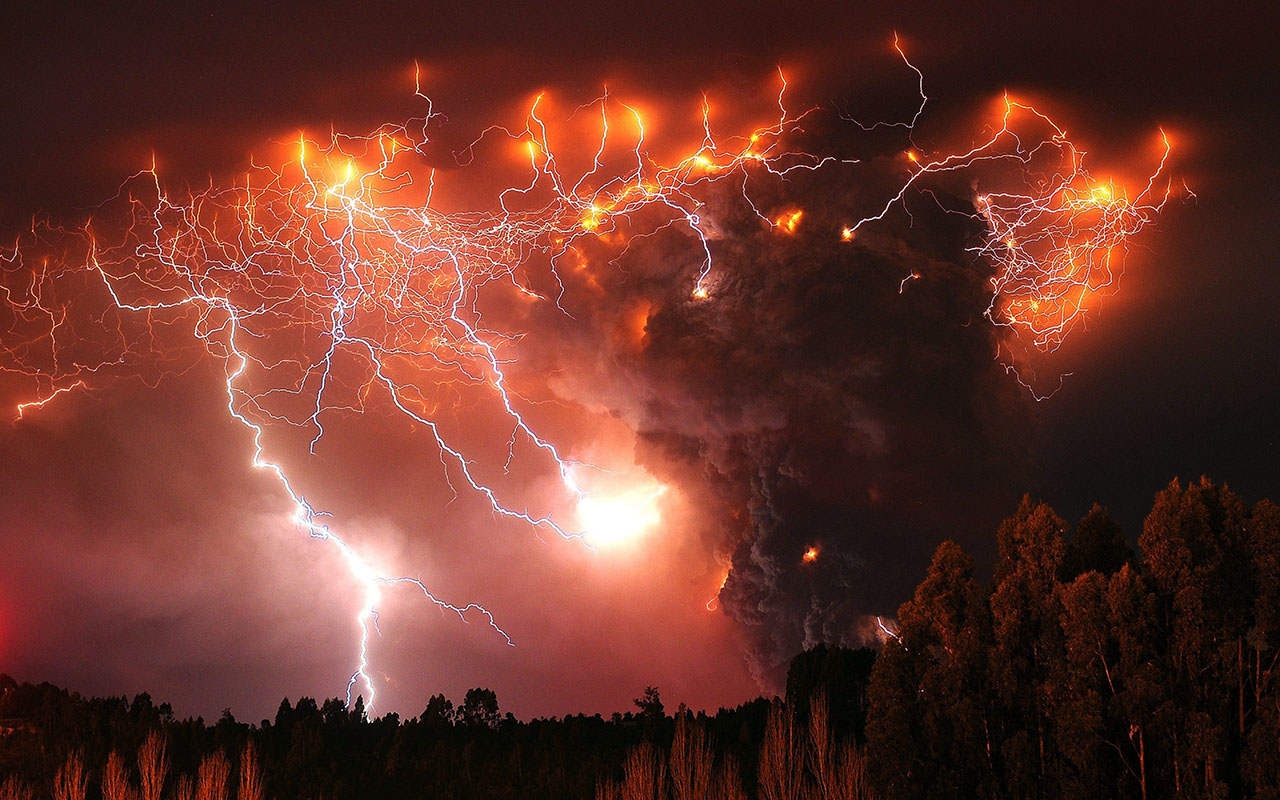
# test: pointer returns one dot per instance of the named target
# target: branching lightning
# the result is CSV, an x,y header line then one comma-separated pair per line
x,y
335,282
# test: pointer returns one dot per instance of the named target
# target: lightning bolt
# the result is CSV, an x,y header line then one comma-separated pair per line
x,y
42,402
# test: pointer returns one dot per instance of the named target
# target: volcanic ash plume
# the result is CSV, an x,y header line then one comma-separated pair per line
x,y
831,420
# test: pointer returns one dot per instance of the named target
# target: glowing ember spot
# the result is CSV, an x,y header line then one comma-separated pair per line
x,y
811,555
847,234
788,222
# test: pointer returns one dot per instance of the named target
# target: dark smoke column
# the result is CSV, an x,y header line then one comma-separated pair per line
x,y
815,399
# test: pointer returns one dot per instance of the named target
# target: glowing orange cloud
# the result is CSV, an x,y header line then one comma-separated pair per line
x,y
335,283
788,222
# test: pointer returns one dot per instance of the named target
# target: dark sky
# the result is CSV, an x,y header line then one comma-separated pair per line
x,y
134,557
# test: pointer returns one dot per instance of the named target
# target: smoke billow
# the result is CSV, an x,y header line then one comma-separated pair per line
x,y
815,399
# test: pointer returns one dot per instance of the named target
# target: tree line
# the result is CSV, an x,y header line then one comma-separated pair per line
x,y
1083,669
58,744
1080,668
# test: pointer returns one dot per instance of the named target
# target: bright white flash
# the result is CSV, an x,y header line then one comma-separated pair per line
x,y
609,521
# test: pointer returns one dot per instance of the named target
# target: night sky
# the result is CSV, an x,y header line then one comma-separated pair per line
x,y
142,553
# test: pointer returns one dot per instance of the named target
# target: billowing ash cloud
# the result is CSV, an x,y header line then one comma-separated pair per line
x,y
813,400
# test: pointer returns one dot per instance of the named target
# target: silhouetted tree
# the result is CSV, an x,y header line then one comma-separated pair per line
x,y
1080,687
1137,680
930,722
480,709
841,675
439,713
650,703
1194,545
652,714
1028,644
1099,545
1261,759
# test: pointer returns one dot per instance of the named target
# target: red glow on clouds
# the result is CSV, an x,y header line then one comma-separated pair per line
x,y
345,277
